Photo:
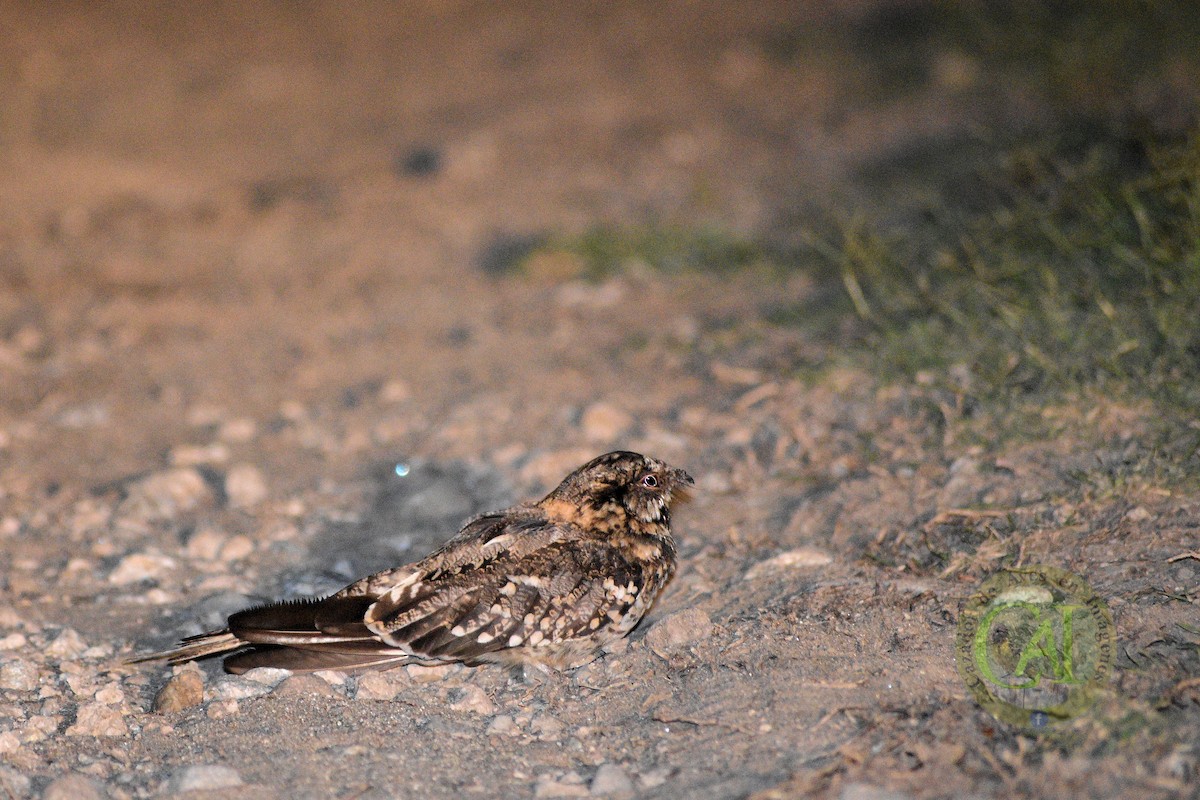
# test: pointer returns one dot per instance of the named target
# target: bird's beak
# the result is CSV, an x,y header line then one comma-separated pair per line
x,y
680,484
681,478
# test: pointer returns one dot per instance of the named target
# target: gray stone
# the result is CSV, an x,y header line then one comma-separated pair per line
x,y
204,777
611,779
73,787
675,631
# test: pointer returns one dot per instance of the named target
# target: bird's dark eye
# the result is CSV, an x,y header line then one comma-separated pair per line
x,y
650,482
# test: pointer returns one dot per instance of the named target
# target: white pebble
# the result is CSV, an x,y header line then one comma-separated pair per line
x,y
245,486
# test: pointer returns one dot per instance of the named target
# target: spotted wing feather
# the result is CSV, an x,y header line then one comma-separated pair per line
x,y
563,591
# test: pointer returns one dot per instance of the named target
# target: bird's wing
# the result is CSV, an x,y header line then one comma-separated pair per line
x,y
519,595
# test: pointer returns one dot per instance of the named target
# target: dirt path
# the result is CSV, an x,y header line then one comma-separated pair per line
x,y
242,277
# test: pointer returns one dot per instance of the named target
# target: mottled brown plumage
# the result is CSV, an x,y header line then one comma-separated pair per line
x,y
547,583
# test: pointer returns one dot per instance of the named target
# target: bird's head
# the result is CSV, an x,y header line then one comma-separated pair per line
x,y
623,483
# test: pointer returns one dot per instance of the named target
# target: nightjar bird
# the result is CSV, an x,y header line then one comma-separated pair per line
x,y
546,584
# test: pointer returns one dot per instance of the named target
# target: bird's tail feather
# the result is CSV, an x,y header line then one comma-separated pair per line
x,y
206,644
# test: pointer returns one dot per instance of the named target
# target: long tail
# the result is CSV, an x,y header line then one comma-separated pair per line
x,y
206,644
301,636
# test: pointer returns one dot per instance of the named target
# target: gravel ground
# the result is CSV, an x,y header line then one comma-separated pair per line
x,y
242,280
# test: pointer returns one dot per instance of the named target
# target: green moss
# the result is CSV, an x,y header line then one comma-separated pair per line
x,y
607,250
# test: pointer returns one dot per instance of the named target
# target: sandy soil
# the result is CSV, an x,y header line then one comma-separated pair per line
x,y
241,278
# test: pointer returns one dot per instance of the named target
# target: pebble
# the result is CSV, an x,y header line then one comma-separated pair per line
x,y
474,700
235,687
205,544
220,709
570,785
611,779
16,784
865,791
791,559
67,644
20,676
238,430
9,742
137,567
14,641
245,486
503,725
546,726
183,690
110,695
395,391
602,422
1138,514
167,494
677,630
194,455
41,727
237,548
204,777
97,719
267,676
431,674
376,686
305,685
73,787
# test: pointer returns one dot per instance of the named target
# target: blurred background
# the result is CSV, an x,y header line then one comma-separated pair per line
x,y
290,289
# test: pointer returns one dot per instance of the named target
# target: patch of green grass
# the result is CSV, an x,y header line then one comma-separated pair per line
x,y
608,250
1078,269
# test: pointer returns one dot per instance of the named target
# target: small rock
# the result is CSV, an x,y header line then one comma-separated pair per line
x,y
376,686
652,779
14,641
245,486
167,494
240,429
220,709
184,690
395,391
865,791
1138,514
334,677
97,719
502,725
67,644
611,779
548,786
207,777
602,422
546,726
419,673
965,485
304,685
16,784
267,676
580,294
205,544
137,567
40,727
235,687
9,742
195,455
20,676
474,701
110,695
237,548
73,787
674,631
792,559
